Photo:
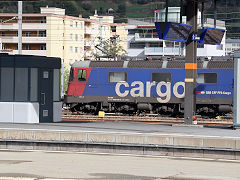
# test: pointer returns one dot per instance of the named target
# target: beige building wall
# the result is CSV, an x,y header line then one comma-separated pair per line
x,y
122,32
93,34
55,39
65,38
73,40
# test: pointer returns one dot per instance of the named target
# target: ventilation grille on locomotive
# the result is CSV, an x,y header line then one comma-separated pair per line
x,y
220,64
106,64
145,64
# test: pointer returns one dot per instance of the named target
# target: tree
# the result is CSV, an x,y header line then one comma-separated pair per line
x,y
111,48
115,50
66,73
122,9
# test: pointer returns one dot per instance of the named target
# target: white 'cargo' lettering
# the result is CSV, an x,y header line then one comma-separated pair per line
x,y
140,89
137,90
166,95
117,89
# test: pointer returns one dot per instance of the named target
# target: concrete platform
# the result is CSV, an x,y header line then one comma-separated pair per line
x,y
127,138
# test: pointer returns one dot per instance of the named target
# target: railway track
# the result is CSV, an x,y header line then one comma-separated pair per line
x,y
68,117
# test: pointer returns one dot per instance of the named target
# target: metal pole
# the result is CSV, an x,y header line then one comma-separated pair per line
x,y
100,30
181,14
202,15
236,99
190,64
181,9
215,13
166,12
19,27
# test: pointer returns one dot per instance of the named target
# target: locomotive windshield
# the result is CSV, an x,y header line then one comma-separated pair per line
x,y
82,75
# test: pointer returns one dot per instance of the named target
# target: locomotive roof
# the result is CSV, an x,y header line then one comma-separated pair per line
x,y
216,64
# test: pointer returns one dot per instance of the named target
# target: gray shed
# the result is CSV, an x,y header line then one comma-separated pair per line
x,y
30,89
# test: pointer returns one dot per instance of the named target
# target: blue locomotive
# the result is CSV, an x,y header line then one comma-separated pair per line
x,y
155,86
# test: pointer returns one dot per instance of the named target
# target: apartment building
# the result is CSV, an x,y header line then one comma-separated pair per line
x,y
52,33
232,45
143,38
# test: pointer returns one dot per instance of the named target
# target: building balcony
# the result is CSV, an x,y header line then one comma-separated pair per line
x,y
88,54
25,52
89,31
145,37
162,51
25,26
88,43
32,40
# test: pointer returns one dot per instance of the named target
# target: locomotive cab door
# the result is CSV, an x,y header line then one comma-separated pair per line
x,y
81,76
46,95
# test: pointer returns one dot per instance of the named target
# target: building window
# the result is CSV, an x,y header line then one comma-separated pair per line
x,y
63,35
207,78
169,44
200,45
71,49
2,33
71,23
82,75
63,21
34,84
71,36
28,34
28,47
76,24
113,28
159,77
76,50
7,84
117,76
42,34
220,47
76,37
43,47
16,47
156,44
135,45
43,20
21,84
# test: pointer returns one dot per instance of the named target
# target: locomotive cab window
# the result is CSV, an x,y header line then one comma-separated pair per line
x,y
207,78
82,75
71,76
117,76
158,77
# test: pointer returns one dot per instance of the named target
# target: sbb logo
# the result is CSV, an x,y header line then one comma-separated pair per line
x,y
136,89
